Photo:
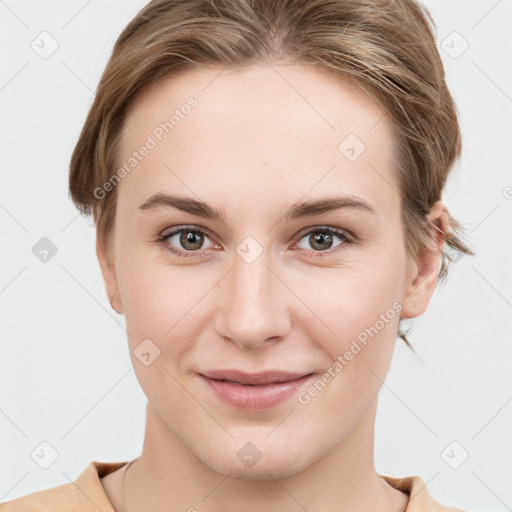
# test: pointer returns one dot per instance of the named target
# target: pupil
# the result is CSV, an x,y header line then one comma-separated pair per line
x,y
191,238
318,239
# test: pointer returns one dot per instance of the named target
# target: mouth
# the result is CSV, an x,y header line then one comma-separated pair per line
x,y
253,379
254,391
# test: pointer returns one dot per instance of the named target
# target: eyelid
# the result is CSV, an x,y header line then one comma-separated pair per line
x,y
325,227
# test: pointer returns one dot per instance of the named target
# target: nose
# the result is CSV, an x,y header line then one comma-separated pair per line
x,y
252,304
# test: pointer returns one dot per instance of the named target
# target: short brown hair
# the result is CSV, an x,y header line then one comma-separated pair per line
x,y
387,47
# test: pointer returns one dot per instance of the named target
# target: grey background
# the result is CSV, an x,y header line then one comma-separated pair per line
x,y
65,373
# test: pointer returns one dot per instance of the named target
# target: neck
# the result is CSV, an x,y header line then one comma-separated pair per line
x,y
167,475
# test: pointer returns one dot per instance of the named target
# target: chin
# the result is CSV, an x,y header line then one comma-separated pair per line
x,y
262,471
245,461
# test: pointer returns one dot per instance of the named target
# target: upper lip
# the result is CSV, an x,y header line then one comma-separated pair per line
x,y
253,378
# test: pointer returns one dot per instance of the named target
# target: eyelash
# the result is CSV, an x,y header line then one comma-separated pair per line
x,y
346,237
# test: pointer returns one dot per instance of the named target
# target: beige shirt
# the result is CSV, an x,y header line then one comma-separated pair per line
x,y
86,494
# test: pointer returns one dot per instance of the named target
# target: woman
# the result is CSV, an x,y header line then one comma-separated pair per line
x,y
266,181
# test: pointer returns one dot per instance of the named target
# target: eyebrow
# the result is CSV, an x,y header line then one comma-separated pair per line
x,y
295,211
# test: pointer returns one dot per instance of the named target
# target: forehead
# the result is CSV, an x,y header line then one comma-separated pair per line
x,y
290,128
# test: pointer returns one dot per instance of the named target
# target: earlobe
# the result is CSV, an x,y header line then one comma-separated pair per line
x,y
108,271
424,270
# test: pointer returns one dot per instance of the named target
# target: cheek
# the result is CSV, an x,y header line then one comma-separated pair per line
x,y
349,300
362,313
357,361
365,333
160,303
145,284
161,321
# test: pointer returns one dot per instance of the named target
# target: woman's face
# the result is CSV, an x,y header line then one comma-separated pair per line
x,y
256,289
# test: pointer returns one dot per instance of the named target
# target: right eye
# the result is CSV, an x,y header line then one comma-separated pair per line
x,y
185,241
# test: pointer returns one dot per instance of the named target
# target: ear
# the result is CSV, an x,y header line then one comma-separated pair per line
x,y
423,271
106,261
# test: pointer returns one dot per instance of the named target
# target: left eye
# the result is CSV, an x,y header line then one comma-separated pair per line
x,y
321,238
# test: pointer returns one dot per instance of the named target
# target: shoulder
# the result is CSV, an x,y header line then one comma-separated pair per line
x,y
420,499
84,494
56,499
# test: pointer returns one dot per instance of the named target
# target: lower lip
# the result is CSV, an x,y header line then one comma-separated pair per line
x,y
261,396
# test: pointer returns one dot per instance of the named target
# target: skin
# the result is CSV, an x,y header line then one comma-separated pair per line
x,y
252,147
